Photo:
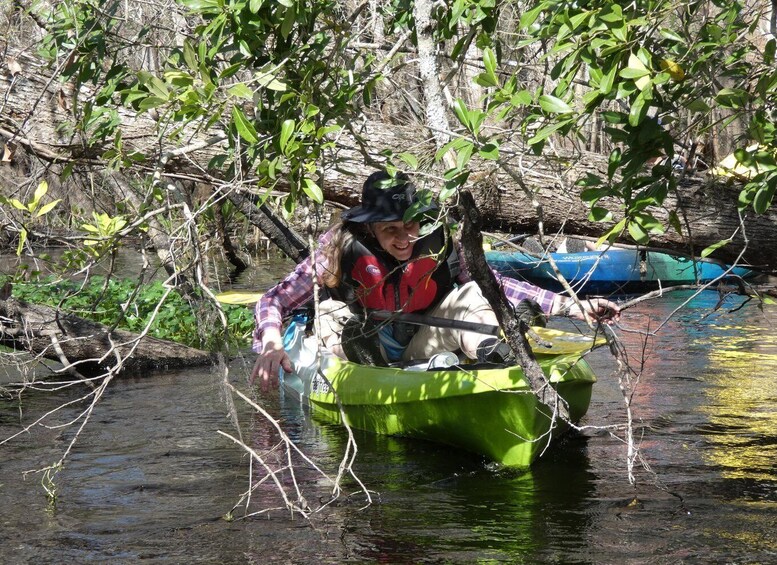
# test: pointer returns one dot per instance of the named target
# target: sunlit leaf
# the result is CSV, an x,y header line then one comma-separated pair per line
x,y
460,109
22,240
40,191
521,98
554,105
47,207
240,90
674,69
313,191
612,233
287,130
763,199
638,234
244,128
714,247
598,214
18,205
489,151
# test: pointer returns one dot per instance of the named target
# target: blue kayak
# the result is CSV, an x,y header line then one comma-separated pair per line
x,y
613,271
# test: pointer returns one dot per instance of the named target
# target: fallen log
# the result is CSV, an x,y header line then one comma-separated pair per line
x,y
89,348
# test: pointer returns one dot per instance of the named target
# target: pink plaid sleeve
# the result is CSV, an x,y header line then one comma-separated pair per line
x,y
291,293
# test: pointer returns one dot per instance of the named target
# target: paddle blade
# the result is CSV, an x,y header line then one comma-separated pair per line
x,y
563,343
239,297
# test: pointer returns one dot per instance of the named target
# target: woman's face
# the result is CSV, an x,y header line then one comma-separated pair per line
x,y
396,238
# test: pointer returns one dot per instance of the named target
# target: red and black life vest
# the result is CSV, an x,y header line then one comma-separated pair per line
x,y
373,279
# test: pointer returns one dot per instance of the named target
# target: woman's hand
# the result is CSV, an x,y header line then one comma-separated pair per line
x,y
599,309
270,360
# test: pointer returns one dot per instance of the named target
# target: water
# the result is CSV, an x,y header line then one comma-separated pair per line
x,y
151,479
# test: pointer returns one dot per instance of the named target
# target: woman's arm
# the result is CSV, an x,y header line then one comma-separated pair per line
x,y
279,302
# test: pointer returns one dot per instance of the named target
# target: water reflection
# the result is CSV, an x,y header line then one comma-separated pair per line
x,y
741,403
434,503
151,478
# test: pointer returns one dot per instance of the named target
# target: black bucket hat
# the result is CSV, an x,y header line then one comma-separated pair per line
x,y
385,198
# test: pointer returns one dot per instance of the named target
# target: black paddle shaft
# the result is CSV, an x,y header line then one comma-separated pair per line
x,y
424,320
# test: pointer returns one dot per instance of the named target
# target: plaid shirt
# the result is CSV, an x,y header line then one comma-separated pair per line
x,y
296,290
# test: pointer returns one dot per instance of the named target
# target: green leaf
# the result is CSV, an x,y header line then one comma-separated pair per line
x,y
769,51
460,109
592,195
151,102
18,205
648,223
288,21
613,162
326,130
313,191
489,151
590,179
269,81
244,128
240,90
201,5
612,233
409,159
671,35
638,234
489,62
611,13
599,214
608,79
698,105
763,199
158,88
521,98
546,131
612,117
190,55
638,110
732,98
455,144
22,239
287,130
714,247
46,208
530,16
554,105
464,155
40,192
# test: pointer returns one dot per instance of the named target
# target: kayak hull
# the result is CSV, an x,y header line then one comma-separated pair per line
x,y
612,271
491,412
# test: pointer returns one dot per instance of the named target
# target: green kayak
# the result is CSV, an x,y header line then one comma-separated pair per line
x,y
488,411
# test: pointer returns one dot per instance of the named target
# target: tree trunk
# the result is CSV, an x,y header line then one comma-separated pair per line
x,y
88,347
514,328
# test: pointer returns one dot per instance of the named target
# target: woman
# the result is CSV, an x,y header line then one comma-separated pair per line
x,y
374,260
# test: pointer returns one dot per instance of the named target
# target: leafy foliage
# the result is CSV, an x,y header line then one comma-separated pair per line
x,y
660,74
120,303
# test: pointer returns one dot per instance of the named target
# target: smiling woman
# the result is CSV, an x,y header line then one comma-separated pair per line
x,y
397,238
391,253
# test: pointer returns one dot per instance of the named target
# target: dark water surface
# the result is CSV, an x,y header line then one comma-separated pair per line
x,y
151,479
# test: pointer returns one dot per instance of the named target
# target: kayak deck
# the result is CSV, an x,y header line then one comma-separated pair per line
x,y
488,411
